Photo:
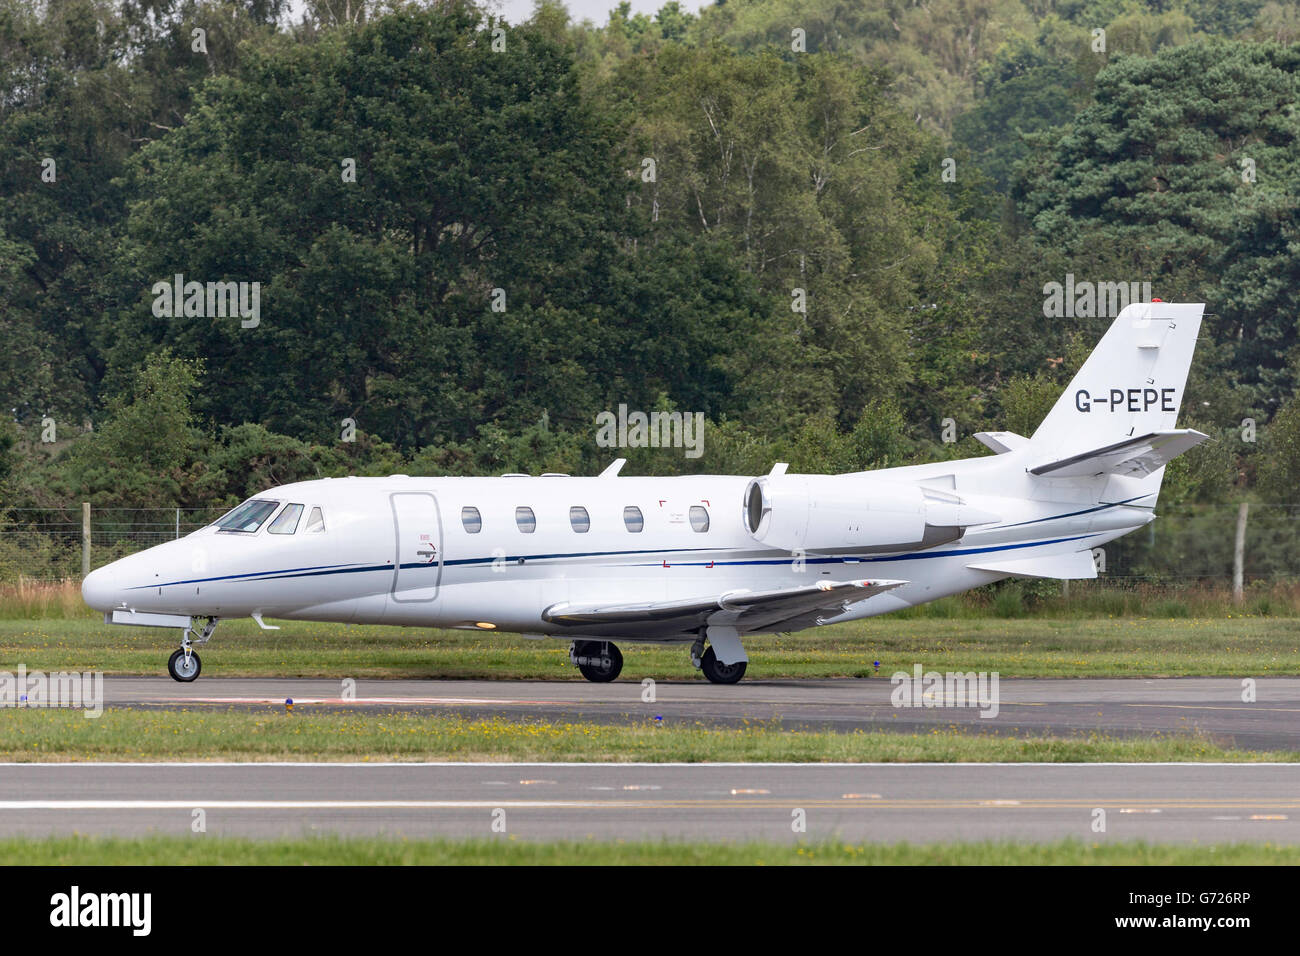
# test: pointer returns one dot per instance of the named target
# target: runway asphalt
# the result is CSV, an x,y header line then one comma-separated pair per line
x,y
1212,707
873,802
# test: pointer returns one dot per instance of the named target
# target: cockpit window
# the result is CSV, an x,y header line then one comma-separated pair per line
x,y
287,521
249,516
315,521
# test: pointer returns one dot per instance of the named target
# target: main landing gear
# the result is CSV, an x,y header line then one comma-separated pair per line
x,y
717,672
184,664
599,661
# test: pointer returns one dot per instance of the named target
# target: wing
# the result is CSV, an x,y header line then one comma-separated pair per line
x,y
743,610
1136,456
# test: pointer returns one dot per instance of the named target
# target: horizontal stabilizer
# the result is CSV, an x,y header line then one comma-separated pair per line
x,y
1072,566
1001,442
1134,456
744,610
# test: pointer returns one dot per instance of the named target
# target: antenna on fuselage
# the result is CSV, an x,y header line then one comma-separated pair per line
x,y
614,468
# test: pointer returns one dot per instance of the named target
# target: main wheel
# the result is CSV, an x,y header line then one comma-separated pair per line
x,y
184,669
718,672
599,661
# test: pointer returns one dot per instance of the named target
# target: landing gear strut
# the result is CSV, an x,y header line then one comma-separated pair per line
x,y
184,664
599,661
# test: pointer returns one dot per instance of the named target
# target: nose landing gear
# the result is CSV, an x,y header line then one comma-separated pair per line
x,y
184,665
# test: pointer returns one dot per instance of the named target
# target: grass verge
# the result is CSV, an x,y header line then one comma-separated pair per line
x,y
190,851
60,735
1121,647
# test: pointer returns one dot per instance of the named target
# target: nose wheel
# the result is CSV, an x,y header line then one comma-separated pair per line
x,y
184,665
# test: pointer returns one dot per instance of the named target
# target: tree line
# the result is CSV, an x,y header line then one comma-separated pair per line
x,y
828,230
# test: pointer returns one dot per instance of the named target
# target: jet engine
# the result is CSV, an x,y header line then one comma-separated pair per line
x,y
852,514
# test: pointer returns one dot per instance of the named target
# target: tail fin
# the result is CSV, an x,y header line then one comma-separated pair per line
x,y
1130,387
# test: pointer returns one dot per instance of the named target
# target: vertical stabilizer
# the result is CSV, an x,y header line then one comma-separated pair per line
x,y
1130,386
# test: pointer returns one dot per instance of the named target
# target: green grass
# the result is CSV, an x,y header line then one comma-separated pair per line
x,y
207,850
273,734
1026,647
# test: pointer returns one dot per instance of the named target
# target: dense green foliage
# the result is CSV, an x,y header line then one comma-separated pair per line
x,y
826,227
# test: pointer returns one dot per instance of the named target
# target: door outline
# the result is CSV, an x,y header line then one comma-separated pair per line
x,y
397,547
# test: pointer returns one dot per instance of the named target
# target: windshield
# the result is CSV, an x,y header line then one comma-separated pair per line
x,y
249,516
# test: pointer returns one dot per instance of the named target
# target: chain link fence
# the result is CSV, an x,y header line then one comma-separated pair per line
x,y
1198,545
50,544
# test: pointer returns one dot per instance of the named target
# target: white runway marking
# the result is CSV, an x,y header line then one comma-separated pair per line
x,y
307,804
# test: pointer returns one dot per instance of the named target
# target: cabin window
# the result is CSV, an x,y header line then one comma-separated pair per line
x,y
526,520
579,519
315,521
699,518
471,520
249,516
632,518
287,521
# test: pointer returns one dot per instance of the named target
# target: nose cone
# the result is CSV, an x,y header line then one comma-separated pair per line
x,y
99,589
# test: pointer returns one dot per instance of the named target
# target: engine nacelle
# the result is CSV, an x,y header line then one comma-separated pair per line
x,y
852,514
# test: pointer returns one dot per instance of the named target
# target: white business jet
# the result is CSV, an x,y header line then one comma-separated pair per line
x,y
700,560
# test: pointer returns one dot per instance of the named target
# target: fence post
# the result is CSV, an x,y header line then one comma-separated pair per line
x,y
85,538
1239,555
178,522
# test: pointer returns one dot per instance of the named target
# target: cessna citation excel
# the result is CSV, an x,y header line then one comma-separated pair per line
x,y
698,560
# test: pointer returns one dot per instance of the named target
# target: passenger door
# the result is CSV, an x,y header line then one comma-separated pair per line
x,y
417,527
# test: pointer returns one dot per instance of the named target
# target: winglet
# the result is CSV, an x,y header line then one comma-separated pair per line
x,y
614,468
